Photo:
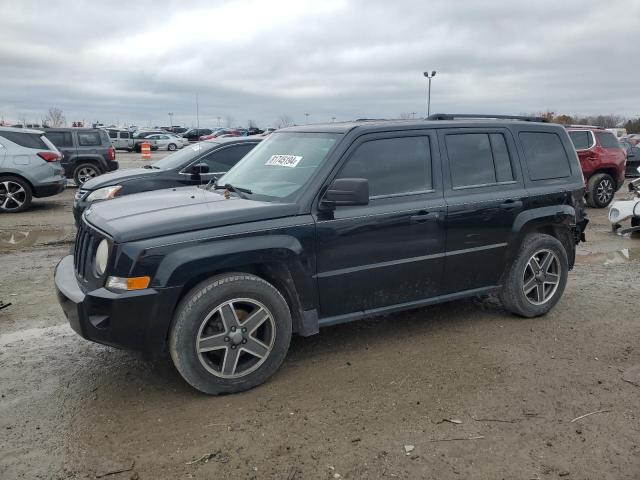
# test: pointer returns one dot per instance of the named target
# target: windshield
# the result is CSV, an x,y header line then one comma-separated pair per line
x,y
178,159
281,165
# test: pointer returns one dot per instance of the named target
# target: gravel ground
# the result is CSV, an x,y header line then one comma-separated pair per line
x,y
460,390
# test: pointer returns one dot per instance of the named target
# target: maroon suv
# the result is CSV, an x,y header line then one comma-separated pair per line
x,y
602,160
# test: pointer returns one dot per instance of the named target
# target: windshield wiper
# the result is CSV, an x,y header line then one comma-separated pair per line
x,y
239,190
150,166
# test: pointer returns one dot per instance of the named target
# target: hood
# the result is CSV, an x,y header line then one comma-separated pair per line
x,y
177,210
118,177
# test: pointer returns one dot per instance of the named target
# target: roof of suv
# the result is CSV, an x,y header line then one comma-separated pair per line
x,y
20,130
344,127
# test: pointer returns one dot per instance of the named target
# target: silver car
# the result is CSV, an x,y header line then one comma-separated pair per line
x,y
166,141
29,167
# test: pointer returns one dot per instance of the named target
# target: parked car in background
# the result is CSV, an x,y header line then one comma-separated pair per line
x,y
618,132
633,159
633,139
194,134
164,141
177,130
29,167
146,133
223,133
603,161
326,224
193,165
86,152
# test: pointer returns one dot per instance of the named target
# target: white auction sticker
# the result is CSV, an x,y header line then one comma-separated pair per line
x,y
284,160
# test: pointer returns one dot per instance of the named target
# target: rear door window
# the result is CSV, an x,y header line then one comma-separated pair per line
x,y
545,155
477,159
27,140
581,139
607,140
89,139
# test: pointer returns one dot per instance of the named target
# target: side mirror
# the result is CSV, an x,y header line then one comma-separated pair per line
x,y
347,191
199,169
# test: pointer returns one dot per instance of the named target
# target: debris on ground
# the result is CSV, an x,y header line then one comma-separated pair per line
x,y
632,375
590,413
205,458
113,470
408,449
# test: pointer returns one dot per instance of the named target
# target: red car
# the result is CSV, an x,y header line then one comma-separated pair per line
x,y
225,132
603,161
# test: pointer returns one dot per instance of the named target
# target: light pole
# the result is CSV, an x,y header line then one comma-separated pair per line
x,y
170,119
307,117
429,77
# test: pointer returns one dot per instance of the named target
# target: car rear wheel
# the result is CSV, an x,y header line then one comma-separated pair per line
x,y
15,195
600,190
230,333
171,147
537,277
85,172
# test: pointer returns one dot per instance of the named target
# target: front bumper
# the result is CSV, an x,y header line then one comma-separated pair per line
x,y
137,320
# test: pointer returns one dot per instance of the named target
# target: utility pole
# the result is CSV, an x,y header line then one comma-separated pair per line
x,y
429,77
170,119
307,117
333,119
413,114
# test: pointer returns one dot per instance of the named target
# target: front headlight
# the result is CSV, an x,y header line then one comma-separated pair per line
x,y
102,257
104,193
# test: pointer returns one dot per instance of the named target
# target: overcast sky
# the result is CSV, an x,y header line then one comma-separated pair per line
x,y
135,61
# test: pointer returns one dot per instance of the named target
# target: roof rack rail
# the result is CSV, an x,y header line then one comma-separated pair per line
x,y
584,126
454,116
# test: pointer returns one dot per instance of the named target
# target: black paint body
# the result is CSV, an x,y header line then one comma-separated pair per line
x,y
395,253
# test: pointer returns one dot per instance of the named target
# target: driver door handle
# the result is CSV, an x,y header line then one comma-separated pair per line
x,y
424,217
511,204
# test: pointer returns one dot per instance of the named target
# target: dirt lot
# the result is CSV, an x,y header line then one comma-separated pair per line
x,y
348,403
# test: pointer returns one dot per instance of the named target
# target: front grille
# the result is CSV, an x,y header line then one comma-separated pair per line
x,y
84,249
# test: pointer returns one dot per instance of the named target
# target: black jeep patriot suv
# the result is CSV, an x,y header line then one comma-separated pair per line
x,y
325,224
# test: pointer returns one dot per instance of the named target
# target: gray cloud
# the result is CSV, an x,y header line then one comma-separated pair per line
x,y
135,61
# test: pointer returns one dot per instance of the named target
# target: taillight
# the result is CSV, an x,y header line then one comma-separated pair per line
x,y
111,153
49,156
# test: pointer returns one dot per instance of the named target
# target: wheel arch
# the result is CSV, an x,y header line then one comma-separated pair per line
x,y
21,177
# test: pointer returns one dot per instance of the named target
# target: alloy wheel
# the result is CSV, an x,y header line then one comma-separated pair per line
x,y
236,338
87,173
12,195
541,277
604,191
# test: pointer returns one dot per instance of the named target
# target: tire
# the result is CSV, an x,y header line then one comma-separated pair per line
x,y
600,190
15,194
85,172
520,275
172,147
635,222
198,323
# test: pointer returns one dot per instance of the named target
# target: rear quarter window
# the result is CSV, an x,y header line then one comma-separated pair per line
x,y
581,139
90,139
607,140
545,155
28,140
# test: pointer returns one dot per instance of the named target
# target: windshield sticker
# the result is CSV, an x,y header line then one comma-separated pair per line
x,y
284,160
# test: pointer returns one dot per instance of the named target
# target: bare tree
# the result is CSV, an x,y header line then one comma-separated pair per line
x,y
283,121
55,118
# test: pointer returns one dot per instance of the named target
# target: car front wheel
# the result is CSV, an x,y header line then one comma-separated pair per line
x,y
230,333
537,277
171,147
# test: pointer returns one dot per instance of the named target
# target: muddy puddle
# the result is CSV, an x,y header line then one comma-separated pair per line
x,y
17,239
623,255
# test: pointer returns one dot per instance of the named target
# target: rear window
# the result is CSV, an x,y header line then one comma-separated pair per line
x,y
545,155
89,139
28,140
60,139
581,139
607,140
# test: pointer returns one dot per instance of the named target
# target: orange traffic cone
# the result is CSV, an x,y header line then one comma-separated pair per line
x,y
146,151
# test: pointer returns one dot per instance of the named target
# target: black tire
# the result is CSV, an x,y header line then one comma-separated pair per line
x,y
635,222
172,147
601,188
195,317
84,172
513,295
20,194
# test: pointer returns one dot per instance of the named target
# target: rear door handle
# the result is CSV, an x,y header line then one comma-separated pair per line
x,y
424,217
511,204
